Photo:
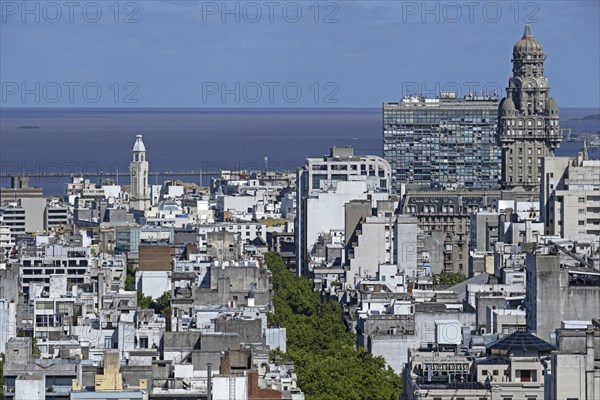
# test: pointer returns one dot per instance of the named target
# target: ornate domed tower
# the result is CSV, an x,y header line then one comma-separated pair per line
x,y
138,170
527,118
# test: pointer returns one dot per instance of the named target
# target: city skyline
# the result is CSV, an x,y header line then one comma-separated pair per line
x,y
447,246
328,54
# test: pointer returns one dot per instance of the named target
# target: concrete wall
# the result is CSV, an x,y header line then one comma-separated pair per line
x,y
249,331
567,379
394,349
219,341
30,387
223,387
550,299
276,338
353,212
405,241
153,283
326,212
35,219
8,323
371,249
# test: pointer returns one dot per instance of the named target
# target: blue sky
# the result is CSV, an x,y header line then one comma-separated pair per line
x,y
155,53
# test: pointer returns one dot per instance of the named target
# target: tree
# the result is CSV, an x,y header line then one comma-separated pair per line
x,y
130,279
163,303
144,301
323,350
160,305
450,278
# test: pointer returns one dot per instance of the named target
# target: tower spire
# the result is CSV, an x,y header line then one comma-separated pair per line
x,y
528,122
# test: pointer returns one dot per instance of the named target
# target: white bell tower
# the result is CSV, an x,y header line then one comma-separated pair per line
x,y
138,170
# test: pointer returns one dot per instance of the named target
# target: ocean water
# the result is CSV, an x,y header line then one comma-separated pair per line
x,y
75,140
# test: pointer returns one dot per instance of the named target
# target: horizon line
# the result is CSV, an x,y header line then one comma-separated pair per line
x,y
13,108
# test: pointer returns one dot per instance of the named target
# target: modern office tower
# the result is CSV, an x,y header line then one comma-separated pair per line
x,y
447,142
527,118
324,185
138,168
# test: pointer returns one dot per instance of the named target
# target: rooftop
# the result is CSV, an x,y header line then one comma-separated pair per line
x,y
520,342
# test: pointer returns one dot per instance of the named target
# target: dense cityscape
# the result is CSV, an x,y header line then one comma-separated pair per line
x,y
462,262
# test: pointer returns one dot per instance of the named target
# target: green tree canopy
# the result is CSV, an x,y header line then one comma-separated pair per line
x,y
144,301
163,302
160,305
328,365
450,278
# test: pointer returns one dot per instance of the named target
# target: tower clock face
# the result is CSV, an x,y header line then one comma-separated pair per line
x,y
133,172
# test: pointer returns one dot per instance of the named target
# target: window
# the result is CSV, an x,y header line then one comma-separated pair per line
x,y
44,320
44,305
525,375
316,180
63,308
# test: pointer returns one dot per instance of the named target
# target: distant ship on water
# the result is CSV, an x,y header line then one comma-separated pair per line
x,y
28,127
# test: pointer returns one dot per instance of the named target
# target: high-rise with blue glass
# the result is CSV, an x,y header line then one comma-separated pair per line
x,y
447,142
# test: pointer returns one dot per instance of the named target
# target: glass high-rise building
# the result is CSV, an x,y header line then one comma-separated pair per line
x,y
447,142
